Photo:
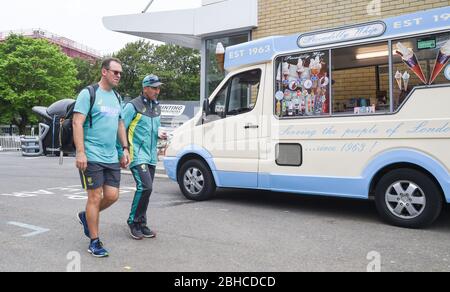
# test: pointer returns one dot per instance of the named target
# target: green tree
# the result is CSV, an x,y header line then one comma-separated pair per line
x,y
179,69
88,73
135,59
32,72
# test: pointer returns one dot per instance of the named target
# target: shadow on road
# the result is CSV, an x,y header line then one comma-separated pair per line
x,y
339,208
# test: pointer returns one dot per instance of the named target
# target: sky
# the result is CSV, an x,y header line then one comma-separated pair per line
x,y
81,20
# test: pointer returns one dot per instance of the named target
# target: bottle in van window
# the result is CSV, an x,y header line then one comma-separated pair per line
x,y
283,108
310,104
297,103
278,109
290,107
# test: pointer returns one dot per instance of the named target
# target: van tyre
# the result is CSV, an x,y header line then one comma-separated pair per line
x,y
196,181
408,198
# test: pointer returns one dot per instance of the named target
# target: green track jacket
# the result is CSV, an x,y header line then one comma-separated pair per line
x,y
142,121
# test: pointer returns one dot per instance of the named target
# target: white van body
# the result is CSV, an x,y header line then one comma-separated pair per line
x,y
402,155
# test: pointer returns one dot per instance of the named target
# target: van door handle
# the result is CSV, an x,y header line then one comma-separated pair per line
x,y
251,126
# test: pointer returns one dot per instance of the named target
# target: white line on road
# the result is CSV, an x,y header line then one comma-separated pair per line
x,y
36,230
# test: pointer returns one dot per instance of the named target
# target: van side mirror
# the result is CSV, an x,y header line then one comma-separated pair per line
x,y
206,107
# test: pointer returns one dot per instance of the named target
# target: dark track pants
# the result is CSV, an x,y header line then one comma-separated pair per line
x,y
144,176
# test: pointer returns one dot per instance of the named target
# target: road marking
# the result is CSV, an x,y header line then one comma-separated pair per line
x,y
70,192
36,230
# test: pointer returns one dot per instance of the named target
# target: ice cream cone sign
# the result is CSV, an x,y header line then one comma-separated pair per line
x,y
405,78
410,59
300,67
441,61
220,57
279,73
286,70
398,78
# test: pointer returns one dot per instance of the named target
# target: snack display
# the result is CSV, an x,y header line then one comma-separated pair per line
x,y
304,84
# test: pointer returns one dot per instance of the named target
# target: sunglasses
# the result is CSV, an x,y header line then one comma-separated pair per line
x,y
117,73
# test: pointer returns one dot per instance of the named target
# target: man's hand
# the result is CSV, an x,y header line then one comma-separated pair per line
x,y
81,161
163,136
125,161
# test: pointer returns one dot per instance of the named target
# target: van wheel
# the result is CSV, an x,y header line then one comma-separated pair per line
x,y
408,198
196,181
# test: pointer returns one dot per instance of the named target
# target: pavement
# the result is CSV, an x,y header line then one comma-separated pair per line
x,y
237,231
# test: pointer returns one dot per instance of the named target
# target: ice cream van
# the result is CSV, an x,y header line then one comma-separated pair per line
x,y
359,112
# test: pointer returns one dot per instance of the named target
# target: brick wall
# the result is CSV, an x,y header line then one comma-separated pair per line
x,y
354,83
284,17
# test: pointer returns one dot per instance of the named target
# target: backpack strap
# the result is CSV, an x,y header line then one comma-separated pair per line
x,y
92,91
119,99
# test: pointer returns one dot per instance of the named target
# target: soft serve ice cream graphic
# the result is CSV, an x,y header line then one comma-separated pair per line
x,y
410,59
441,61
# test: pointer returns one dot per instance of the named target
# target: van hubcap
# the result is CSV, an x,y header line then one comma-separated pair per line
x,y
193,181
405,200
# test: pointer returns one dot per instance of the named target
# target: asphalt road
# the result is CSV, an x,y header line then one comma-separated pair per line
x,y
237,231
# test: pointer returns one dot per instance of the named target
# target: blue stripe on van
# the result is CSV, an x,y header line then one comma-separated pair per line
x,y
171,163
349,187
431,164
231,179
316,185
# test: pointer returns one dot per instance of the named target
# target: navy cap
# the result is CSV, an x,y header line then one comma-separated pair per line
x,y
151,81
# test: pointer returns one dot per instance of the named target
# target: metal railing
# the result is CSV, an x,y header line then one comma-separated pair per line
x,y
12,130
10,143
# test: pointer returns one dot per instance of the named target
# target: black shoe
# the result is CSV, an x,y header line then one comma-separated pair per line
x,y
135,231
147,232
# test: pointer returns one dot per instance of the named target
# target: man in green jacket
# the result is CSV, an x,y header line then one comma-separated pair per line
x,y
142,120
